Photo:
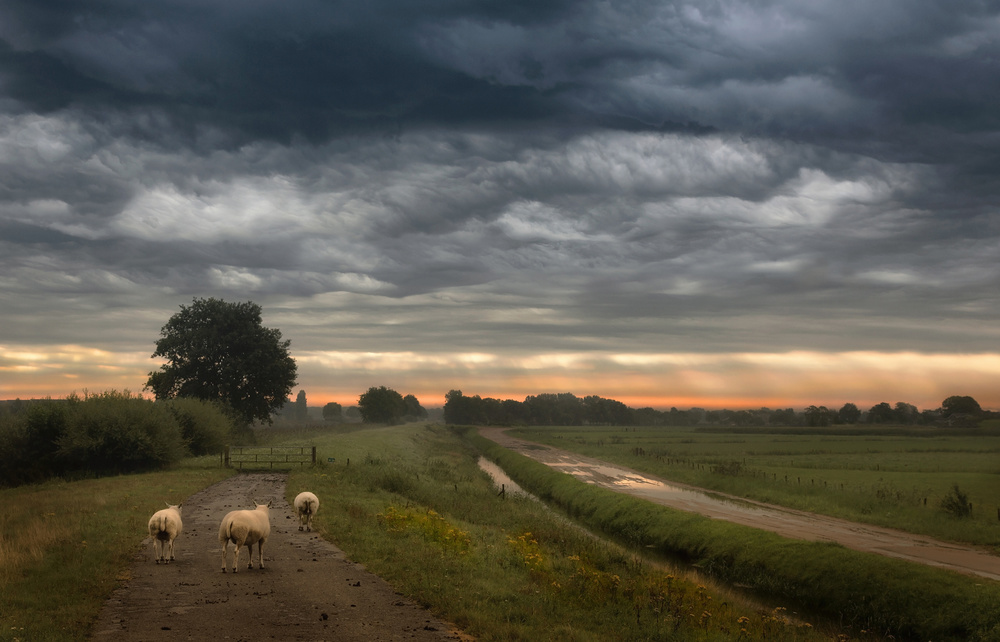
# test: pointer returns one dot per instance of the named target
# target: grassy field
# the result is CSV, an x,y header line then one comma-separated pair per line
x,y
865,592
889,476
411,503
65,546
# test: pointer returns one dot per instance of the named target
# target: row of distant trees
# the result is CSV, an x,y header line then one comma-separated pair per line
x,y
378,405
566,409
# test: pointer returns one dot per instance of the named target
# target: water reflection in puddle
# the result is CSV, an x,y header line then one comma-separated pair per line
x,y
628,481
616,477
501,480
636,484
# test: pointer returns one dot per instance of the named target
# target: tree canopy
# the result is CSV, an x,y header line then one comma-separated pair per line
x,y
333,411
960,405
566,409
220,351
382,405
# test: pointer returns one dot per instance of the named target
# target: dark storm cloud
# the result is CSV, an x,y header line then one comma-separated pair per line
x,y
264,70
255,70
655,175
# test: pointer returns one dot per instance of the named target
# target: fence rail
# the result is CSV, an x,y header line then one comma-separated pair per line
x,y
268,456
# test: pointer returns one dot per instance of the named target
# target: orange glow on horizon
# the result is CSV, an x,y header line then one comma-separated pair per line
x,y
711,381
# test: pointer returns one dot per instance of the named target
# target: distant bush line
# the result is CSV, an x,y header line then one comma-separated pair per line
x,y
104,434
566,409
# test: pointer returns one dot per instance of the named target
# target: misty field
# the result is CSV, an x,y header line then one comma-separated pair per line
x,y
889,476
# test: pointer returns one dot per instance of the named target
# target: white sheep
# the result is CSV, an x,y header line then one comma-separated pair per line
x,y
245,528
164,527
306,505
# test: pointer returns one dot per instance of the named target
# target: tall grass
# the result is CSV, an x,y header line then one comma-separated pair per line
x,y
65,546
411,504
865,591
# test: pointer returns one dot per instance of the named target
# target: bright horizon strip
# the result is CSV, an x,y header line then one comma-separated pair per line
x,y
735,381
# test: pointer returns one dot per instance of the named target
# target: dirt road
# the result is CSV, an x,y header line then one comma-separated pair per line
x,y
308,590
784,521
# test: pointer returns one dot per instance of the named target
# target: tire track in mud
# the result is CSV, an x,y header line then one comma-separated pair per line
x,y
308,589
786,522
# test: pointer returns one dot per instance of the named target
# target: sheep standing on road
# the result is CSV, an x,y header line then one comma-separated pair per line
x,y
306,505
245,528
164,527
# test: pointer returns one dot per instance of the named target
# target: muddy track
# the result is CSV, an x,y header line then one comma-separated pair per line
x,y
308,589
787,522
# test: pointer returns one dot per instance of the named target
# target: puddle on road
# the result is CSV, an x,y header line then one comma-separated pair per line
x,y
627,481
634,483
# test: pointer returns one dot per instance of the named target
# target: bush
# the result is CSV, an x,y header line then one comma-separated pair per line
x,y
957,503
12,449
118,432
107,433
205,426
29,442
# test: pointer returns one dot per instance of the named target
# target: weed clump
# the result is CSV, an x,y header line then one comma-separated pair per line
x,y
956,503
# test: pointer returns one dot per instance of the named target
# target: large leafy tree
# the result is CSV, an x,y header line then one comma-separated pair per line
x,y
413,408
381,405
220,351
960,405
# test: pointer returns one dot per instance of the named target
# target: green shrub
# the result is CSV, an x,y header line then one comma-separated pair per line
x,y
956,503
117,432
106,433
12,449
205,426
28,442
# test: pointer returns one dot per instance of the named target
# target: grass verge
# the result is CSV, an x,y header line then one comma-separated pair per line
x,y
65,546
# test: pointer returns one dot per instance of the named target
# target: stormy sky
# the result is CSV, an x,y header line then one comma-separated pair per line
x,y
735,204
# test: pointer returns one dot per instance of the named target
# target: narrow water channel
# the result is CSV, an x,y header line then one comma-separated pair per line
x,y
501,480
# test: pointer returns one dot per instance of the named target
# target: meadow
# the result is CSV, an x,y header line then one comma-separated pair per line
x,y
413,506
890,476
411,503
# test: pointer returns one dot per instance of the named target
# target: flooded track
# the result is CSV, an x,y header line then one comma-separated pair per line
x,y
783,521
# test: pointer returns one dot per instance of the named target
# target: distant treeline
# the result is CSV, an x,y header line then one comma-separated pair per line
x,y
566,409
